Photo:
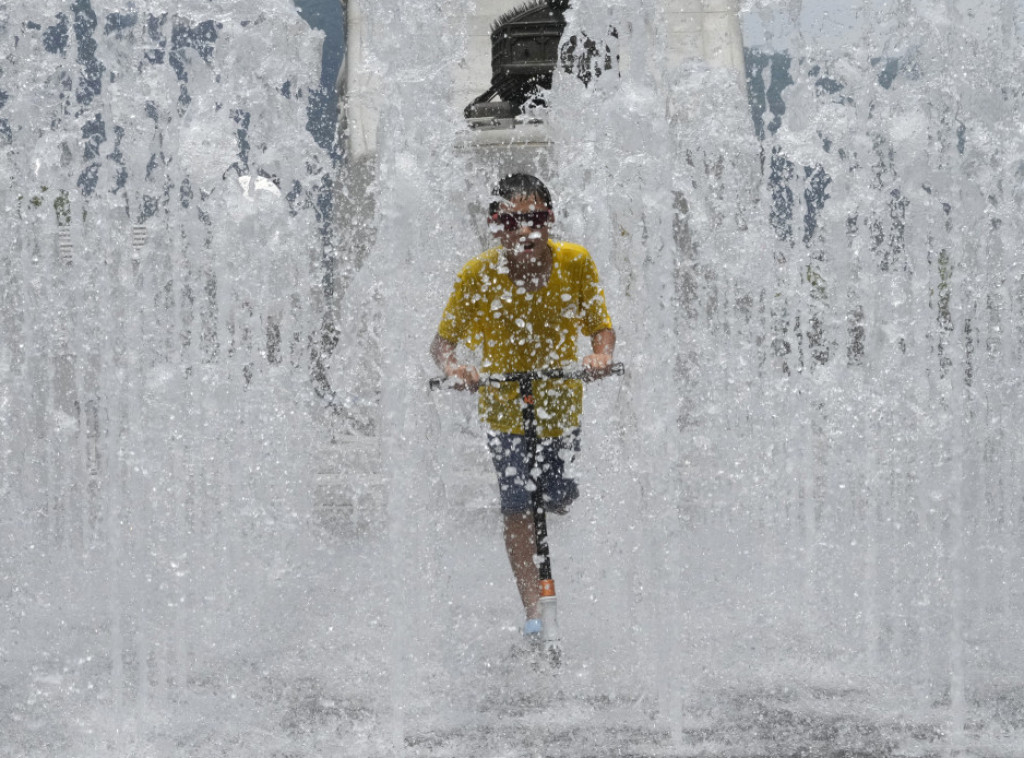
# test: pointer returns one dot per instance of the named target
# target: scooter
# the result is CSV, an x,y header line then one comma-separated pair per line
x,y
550,637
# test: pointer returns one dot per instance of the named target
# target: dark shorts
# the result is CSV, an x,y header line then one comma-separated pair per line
x,y
508,452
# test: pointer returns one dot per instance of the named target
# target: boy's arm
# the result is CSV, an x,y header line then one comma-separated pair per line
x,y
443,353
599,362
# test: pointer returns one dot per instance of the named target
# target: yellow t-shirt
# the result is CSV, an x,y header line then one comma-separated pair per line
x,y
527,331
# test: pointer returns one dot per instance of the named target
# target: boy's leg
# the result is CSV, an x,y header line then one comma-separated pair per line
x,y
521,548
508,453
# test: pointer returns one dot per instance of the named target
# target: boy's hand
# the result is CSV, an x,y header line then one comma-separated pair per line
x,y
597,365
464,377
443,353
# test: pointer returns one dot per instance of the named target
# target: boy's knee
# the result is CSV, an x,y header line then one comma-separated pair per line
x,y
561,495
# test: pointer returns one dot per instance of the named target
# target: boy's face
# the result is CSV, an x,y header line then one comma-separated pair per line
x,y
522,225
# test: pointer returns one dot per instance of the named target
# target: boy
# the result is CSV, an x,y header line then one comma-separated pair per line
x,y
523,303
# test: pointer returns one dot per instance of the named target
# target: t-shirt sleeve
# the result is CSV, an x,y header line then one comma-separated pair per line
x,y
593,310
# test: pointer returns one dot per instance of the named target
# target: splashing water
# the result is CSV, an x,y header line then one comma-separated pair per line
x,y
801,520
159,294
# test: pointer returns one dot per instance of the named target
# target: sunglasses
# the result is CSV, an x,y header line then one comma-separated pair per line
x,y
512,221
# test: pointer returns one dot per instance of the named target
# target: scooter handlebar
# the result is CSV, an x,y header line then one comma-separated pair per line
x,y
578,373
